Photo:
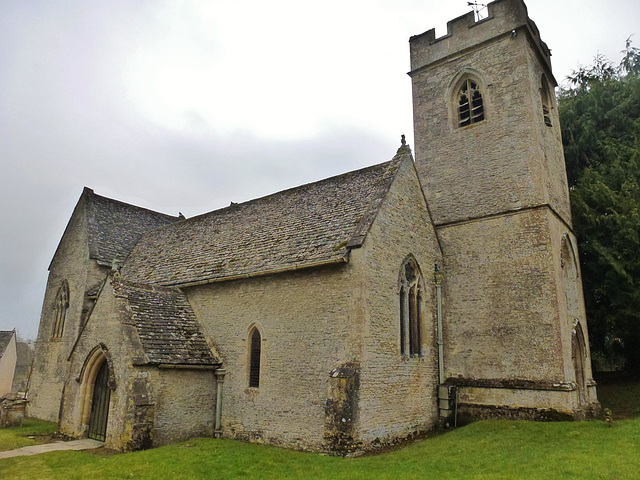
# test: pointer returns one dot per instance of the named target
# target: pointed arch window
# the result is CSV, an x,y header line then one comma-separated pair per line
x,y
60,310
570,269
546,102
411,288
255,350
470,103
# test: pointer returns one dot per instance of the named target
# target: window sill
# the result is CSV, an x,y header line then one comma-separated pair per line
x,y
411,357
465,127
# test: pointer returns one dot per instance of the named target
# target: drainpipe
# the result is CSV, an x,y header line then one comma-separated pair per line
x,y
219,373
438,279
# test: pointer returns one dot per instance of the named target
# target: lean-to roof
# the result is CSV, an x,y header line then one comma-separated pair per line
x,y
166,325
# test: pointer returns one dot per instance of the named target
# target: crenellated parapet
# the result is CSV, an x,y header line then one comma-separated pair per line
x,y
505,18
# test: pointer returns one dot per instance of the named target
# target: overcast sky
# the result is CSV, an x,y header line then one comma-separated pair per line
x,y
188,105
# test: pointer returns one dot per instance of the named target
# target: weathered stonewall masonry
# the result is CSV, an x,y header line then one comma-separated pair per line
x,y
349,313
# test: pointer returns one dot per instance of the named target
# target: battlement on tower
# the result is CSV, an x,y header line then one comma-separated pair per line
x,y
505,17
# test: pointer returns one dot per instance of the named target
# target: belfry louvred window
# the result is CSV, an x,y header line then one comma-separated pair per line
x,y
470,104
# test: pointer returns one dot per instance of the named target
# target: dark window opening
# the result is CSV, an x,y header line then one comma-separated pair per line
x,y
60,310
546,115
470,104
403,327
546,102
417,350
254,362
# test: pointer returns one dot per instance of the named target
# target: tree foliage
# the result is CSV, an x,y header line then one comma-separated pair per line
x,y
600,118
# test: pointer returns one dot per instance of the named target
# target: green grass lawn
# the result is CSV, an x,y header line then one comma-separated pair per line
x,y
11,438
483,450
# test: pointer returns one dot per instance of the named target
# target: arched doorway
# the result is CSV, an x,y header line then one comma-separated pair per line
x,y
100,404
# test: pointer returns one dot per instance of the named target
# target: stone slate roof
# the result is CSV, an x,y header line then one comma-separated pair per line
x,y
5,338
114,227
309,225
166,324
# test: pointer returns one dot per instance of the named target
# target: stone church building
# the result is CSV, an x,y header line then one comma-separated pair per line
x,y
350,312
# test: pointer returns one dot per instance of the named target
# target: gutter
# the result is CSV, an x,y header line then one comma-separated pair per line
x,y
186,366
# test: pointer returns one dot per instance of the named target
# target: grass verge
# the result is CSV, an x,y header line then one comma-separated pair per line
x,y
18,437
483,450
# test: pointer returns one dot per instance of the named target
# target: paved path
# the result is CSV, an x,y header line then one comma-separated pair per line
x,y
84,444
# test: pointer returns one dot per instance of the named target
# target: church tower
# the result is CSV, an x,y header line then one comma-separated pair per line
x,y
489,153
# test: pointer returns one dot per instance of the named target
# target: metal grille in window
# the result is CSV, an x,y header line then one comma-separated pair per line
x,y
254,364
470,105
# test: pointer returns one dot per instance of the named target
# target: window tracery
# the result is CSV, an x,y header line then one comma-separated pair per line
x,y
470,103
410,296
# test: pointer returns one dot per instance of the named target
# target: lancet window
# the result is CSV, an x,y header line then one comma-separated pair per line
x,y
546,102
60,310
411,290
255,350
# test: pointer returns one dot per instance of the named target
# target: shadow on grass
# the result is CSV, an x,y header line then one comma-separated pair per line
x,y
620,394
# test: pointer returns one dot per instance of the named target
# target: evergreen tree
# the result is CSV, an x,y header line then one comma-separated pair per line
x,y
600,118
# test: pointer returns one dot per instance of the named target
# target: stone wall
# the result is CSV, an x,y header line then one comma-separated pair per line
x,y
514,334
498,193
550,153
306,323
70,263
332,375
397,392
509,161
464,33
502,318
568,281
185,404
148,406
103,333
